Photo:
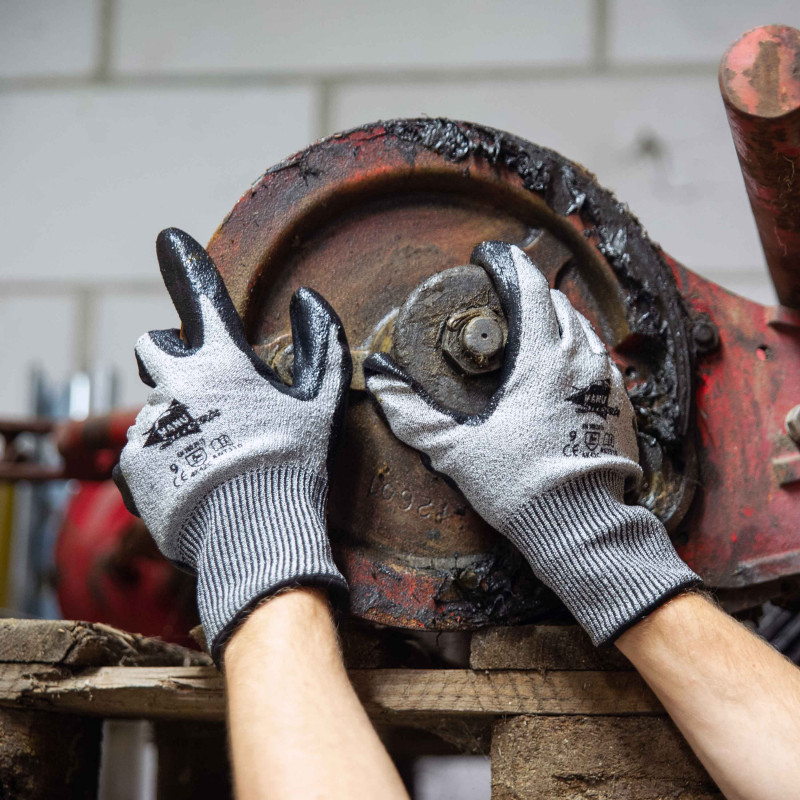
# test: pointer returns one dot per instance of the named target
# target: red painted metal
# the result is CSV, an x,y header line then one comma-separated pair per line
x,y
759,79
744,525
109,570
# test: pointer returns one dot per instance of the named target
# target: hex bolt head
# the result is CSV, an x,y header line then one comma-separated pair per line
x,y
473,341
793,424
706,335
482,337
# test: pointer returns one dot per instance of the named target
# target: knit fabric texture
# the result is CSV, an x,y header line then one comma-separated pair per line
x,y
255,533
610,563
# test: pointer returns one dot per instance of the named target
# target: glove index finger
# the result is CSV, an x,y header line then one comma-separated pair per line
x,y
189,274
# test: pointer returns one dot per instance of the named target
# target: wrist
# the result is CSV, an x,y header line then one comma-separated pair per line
x,y
275,622
665,625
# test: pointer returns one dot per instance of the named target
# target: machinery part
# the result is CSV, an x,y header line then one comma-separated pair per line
x,y
369,217
428,339
89,448
760,82
482,339
742,529
18,452
109,570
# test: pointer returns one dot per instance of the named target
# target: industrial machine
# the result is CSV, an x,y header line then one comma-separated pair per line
x,y
382,219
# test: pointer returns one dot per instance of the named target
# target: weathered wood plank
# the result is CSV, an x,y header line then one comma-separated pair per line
x,y
27,641
541,647
564,758
198,692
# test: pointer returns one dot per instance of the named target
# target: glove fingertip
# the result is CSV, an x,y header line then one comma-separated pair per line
x,y
124,490
315,311
383,364
319,340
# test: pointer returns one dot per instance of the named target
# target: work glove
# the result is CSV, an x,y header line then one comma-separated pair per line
x,y
226,465
546,462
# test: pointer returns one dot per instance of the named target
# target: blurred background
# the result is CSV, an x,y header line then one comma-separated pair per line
x,y
121,117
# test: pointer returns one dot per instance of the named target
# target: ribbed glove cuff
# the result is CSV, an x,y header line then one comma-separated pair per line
x,y
252,535
611,564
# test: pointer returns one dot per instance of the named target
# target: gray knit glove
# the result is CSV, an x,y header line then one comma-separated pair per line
x,y
225,464
546,462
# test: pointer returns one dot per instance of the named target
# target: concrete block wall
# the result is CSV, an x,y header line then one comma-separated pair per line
x,y
121,117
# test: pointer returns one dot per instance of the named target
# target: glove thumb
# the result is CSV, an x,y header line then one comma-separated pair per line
x,y
414,417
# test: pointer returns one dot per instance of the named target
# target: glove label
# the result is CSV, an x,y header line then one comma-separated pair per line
x,y
593,399
175,423
595,442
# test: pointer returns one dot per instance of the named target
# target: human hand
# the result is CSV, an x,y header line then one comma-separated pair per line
x,y
546,462
226,465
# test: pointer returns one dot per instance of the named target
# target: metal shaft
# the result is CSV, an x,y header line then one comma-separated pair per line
x,y
759,78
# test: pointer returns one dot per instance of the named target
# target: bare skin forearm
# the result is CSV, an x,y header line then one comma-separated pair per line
x,y
297,728
734,698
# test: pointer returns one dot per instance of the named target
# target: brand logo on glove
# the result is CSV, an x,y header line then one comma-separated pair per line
x,y
175,423
593,399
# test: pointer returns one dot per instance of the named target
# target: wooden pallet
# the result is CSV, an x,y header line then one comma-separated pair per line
x,y
559,719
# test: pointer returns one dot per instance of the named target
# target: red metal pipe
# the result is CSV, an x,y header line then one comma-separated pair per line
x,y
759,78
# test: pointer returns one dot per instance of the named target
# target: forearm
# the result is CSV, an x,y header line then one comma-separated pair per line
x,y
297,728
734,698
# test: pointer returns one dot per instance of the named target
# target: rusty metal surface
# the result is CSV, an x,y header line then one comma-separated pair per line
x,y
759,79
428,333
367,216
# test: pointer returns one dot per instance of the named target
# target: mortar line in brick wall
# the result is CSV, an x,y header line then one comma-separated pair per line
x,y
324,116
45,287
105,36
376,77
600,39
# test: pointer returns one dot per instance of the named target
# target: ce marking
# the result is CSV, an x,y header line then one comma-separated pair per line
x,y
573,446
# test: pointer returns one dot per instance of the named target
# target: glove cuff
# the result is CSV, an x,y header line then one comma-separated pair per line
x,y
252,535
611,564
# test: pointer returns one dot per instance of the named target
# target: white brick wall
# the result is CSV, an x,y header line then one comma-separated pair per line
x,y
91,174
36,332
319,36
48,38
688,31
120,318
120,117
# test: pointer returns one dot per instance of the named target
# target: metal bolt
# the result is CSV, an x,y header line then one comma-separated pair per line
x,y
793,424
473,341
706,335
482,337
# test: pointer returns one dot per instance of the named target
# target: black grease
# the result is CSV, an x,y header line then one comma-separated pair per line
x,y
655,310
